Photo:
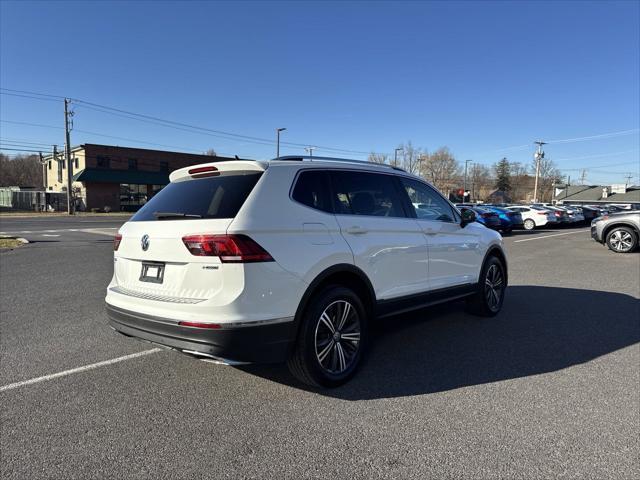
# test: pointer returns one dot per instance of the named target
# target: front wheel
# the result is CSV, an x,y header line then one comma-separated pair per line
x,y
622,240
529,224
331,339
487,301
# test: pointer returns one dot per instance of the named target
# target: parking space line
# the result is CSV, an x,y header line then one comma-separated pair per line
x,y
554,235
102,231
64,373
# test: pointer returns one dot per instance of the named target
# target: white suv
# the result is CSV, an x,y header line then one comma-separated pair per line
x,y
292,259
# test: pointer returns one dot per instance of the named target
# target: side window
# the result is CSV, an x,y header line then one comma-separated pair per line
x,y
362,193
312,190
426,202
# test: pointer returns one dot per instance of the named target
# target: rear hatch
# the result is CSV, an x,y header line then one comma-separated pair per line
x,y
160,255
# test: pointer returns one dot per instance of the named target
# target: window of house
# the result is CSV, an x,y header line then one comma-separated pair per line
x,y
164,166
103,161
133,164
76,163
361,193
49,162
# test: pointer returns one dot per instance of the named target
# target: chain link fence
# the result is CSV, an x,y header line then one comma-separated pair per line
x,y
14,199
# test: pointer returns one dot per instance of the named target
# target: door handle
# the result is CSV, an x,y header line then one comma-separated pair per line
x,y
356,230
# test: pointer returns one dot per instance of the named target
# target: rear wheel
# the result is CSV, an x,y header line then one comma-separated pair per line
x,y
487,301
331,339
622,240
529,224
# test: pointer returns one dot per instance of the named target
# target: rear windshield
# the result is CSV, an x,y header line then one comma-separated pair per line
x,y
211,197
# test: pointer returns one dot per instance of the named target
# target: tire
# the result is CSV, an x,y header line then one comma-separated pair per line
x,y
507,231
487,301
622,240
323,355
529,224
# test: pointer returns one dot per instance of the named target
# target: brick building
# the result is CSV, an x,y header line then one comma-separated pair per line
x,y
118,178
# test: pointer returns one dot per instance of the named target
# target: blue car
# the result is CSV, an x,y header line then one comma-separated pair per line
x,y
508,219
486,217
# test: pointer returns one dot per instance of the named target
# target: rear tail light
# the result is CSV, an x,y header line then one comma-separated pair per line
x,y
201,172
116,241
230,248
541,213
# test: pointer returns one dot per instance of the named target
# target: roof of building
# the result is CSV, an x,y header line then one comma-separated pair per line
x,y
139,177
593,193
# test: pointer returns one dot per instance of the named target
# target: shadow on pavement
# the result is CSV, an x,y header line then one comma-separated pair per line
x,y
540,330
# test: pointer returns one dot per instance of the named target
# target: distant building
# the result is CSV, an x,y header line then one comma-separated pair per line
x,y
595,194
118,178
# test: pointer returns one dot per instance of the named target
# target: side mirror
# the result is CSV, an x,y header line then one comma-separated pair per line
x,y
468,216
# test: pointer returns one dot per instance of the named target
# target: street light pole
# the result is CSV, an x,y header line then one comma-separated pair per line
x,y
395,156
464,185
278,130
310,150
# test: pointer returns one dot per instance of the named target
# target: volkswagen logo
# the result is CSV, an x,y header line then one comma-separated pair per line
x,y
144,242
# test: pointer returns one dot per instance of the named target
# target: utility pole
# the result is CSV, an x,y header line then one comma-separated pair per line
x,y
310,151
539,155
278,130
67,154
464,184
583,176
628,177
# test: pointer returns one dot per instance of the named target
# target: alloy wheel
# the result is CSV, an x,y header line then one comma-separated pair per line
x,y
494,287
337,337
621,241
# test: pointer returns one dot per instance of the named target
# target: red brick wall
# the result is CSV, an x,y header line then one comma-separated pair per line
x,y
100,195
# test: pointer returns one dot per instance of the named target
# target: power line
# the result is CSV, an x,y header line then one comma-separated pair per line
x,y
170,123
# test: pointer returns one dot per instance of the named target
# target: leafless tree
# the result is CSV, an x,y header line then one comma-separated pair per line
x,y
378,157
549,175
441,169
481,181
410,157
211,152
20,171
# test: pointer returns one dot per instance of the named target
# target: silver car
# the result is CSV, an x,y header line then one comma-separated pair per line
x,y
619,231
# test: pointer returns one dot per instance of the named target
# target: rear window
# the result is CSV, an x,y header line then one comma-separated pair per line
x,y
211,197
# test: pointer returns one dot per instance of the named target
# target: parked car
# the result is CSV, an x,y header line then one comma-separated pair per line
x,y
590,212
574,213
508,218
486,217
533,218
561,215
292,259
619,231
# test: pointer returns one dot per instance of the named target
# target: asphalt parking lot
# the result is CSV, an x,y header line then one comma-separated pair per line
x,y
550,388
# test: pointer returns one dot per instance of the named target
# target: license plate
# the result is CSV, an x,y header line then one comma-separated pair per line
x,y
152,272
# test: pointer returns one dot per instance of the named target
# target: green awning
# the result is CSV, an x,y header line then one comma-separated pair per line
x,y
138,177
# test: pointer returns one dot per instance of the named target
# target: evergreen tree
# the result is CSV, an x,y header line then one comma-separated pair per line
x,y
503,175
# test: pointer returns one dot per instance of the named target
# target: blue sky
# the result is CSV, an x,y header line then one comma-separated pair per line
x,y
478,77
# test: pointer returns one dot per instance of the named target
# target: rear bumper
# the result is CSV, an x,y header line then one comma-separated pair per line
x,y
264,342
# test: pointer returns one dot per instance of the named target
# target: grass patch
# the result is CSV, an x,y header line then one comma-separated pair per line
x,y
10,243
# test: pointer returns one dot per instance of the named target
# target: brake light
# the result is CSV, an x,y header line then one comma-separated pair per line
x,y
230,248
200,172
116,241
557,214
542,213
213,326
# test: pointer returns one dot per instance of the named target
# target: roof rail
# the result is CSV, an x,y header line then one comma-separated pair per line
x,y
308,158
